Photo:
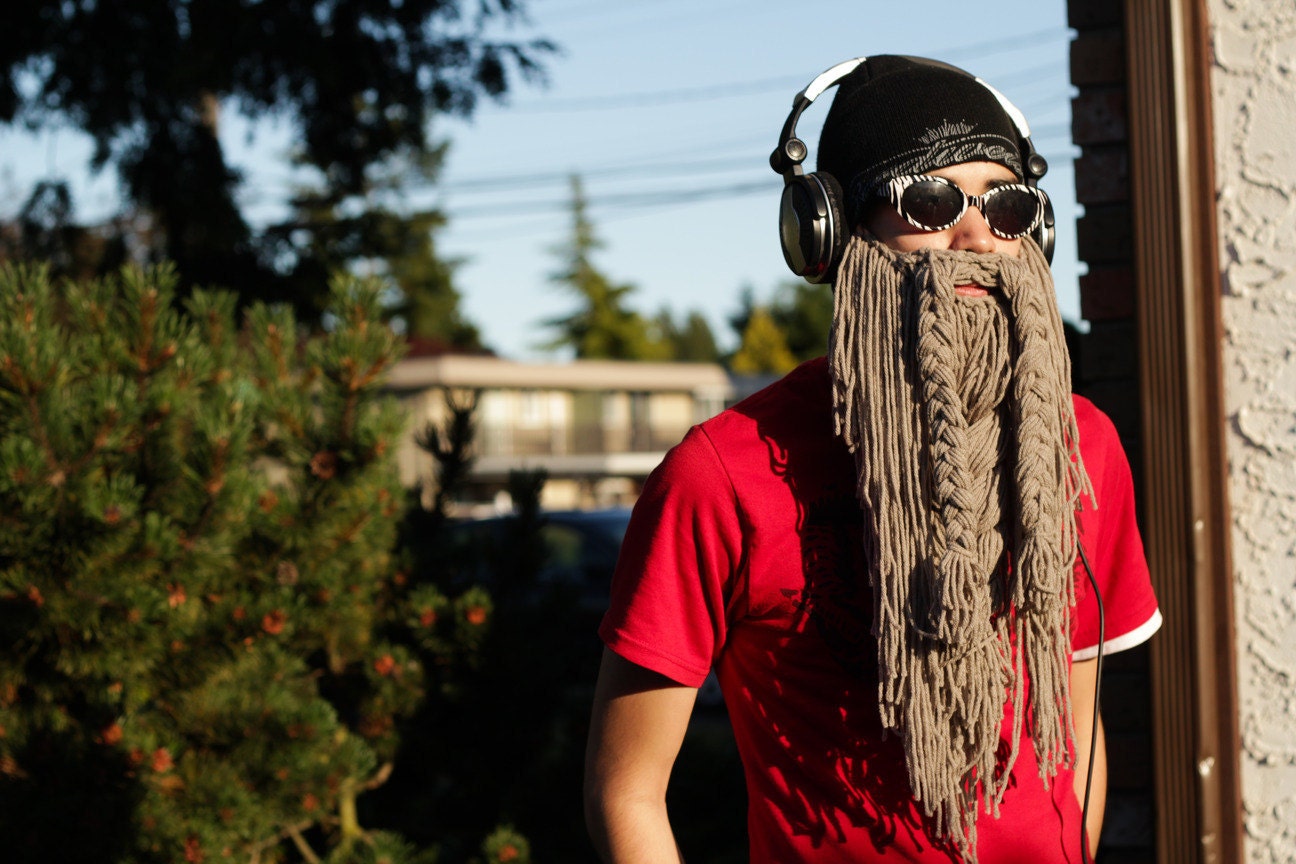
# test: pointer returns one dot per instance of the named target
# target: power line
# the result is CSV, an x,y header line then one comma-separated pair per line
x,y
620,101
659,197
1051,139
656,169
1005,45
662,97
662,21
750,154
624,200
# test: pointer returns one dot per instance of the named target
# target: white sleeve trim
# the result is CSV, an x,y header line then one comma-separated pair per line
x,y
1137,636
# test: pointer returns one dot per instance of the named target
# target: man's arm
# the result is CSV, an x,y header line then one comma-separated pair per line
x,y
636,729
1084,691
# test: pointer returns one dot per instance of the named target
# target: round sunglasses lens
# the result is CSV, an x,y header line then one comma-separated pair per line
x,y
1012,212
931,204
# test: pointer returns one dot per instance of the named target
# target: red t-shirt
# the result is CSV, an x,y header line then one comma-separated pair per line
x,y
744,554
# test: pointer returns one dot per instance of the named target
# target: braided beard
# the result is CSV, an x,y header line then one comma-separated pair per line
x,y
958,412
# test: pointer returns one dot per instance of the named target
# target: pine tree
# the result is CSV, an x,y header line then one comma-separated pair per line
x,y
45,230
212,644
443,792
746,305
602,327
803,311
693,342
361,84
374,229
764,348
795,328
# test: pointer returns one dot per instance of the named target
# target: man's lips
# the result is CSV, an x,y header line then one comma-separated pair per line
x,y
970,291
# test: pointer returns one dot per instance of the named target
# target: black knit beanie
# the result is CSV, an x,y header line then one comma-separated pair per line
x,y
895,115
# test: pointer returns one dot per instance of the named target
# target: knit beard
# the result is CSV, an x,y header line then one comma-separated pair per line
x,y
958,412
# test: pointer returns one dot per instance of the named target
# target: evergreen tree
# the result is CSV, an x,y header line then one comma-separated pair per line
x,y
602,327
764,348
691,343
746,306
360,82
45,230
541,652
803,311
696,342
801,314
388,240
212,645
526,712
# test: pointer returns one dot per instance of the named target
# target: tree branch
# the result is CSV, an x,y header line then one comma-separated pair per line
x,y
303,847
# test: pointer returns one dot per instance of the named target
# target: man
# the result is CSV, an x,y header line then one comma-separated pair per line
x,y
878,554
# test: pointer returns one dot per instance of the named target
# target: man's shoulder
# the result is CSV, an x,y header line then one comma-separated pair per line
x,y
804,390
789,422
1092,422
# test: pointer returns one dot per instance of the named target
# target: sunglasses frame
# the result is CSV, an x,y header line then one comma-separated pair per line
x,y
893,190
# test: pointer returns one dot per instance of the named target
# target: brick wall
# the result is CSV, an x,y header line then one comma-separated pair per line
x,y
1107,373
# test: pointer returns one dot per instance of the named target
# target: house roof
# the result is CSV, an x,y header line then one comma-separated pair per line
x,y
452,370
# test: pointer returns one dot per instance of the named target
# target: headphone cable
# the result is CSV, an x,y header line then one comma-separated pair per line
x,y
1093,732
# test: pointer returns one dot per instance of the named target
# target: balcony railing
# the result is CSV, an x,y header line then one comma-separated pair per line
x,y
586,438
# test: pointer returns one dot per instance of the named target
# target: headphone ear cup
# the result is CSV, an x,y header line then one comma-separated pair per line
x,y
836,243
811,226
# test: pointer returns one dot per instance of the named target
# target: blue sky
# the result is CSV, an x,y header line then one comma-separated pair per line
x,y
668,110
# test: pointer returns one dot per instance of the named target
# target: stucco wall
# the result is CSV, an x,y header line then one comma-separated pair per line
x,y
1254,82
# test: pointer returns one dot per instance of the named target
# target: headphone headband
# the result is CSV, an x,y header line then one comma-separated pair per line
x,y
811,223
828,78
791,152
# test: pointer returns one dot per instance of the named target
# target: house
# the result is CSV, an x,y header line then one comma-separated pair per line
x,y
596,427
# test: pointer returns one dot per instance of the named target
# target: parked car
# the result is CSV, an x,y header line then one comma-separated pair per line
x,y
580,549
578,552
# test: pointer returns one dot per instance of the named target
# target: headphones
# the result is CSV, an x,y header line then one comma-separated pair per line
x,y
812,219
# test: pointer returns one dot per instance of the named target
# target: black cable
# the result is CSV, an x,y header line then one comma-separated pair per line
x,y
1093,732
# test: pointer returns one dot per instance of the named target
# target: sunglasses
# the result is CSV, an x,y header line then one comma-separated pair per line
x,y
934,204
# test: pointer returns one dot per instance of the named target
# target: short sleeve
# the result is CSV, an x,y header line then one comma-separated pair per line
x,y
1110,541
681,552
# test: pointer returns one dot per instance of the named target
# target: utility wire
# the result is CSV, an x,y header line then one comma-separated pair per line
x,y
750,157
659,20
652,169
662,97
660,166
753,164
710,92
687,195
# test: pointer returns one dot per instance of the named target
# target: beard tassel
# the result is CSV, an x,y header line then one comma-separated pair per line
x,y
919,384
1049,478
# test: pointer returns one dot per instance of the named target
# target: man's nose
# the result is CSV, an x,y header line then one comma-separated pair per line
x,y
972,233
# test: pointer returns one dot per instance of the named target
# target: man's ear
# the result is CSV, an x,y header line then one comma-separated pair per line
x,y
862,231
868,212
